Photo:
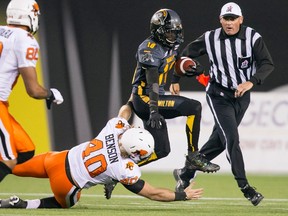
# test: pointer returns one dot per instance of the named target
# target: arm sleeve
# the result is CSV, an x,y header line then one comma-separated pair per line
x,y
196,48
193,50
135,188
264,62
152,81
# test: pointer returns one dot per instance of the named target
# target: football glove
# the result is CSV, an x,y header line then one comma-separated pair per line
x,y
55,97
155,120
194,70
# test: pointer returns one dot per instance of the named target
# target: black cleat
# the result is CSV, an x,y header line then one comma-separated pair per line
x,y
252,195
181,184
108,189
199,162
13,202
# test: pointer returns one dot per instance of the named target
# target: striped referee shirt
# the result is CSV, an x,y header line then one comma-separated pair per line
x,y
233,59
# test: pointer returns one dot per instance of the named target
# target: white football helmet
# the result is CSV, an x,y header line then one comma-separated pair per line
x,y
138,143
24,12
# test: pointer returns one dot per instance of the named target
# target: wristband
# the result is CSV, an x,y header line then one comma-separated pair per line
x,y
175,79
130,104
153,107
180,196
50,93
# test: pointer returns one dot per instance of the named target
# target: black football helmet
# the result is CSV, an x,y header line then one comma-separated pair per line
x,y
166,27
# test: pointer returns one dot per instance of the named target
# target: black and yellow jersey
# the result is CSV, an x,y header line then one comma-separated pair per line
x,y
152,54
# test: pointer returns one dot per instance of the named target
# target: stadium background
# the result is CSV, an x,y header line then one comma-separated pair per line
x,y
88,53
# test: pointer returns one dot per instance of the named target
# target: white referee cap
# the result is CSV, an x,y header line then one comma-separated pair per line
x,y
231,9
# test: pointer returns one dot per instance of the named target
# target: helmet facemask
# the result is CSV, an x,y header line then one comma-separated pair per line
x,y
173,37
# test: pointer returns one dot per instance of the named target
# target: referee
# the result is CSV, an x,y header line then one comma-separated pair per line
x,y
239,60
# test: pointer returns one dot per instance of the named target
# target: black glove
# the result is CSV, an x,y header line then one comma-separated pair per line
x,y
49,101
54,97
196,70
155,120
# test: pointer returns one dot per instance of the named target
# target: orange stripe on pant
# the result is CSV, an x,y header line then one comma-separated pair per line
x,y
14,138
51,165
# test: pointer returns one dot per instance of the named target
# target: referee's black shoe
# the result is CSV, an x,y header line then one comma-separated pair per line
x,y
252,195
199,162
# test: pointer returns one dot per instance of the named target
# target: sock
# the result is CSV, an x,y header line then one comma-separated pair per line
x,y
49,202
33,204
187,174
4,171
192,154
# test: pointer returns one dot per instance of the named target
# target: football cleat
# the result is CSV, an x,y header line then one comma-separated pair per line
x,y
181,184
108,189
13,202
252,195
199,162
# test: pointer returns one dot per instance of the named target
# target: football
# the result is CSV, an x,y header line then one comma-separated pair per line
x,y
183,64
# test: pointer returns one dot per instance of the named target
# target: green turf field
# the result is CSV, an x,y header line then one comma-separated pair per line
x,y
221,197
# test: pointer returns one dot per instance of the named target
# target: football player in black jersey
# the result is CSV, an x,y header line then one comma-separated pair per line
x,y
155,57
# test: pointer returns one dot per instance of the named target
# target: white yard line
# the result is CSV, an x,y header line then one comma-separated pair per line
x,y
133,196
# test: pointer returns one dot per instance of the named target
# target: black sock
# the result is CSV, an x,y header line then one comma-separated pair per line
x,y
49,202
192,154
4,171
187,174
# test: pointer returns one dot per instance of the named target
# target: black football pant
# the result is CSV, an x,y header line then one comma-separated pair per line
x,y
228,112
170,106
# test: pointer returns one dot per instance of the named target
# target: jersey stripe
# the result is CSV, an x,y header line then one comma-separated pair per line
x,y
5,147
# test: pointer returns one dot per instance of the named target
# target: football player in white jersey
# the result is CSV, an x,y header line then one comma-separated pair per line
x,y
18,56
111,156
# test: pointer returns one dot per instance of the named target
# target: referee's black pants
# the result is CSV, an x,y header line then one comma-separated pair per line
x,y
228,113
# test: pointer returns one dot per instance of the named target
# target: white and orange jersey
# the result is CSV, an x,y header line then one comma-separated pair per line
x,y
99,161
18,49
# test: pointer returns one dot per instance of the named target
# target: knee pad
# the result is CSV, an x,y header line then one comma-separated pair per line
x,y
24,156
162,143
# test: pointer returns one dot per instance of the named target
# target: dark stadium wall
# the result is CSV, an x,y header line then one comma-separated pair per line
x,y
94,25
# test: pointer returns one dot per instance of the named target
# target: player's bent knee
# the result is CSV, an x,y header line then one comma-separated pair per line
x,y
24,156
190,107
162,154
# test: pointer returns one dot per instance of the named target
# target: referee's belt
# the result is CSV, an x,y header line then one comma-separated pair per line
x,y
218,85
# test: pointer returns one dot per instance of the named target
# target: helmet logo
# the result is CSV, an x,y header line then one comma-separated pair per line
x,y
36,9
119,124
159,18
143,152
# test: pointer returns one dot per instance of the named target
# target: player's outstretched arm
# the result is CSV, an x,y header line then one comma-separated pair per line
x,y
166,195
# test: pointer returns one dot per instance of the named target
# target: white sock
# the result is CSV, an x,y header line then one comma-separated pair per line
x,y
33,204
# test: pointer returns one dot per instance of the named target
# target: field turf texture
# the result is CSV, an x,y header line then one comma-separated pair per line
x,y
221,197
